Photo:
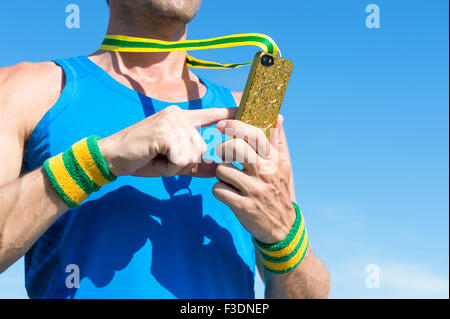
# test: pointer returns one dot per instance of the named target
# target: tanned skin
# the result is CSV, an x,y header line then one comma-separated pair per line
x,y
261,201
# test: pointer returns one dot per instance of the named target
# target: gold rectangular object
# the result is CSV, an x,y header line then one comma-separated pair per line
x,y
264,92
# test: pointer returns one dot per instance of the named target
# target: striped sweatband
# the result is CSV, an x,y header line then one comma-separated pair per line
x,y
78,172
287,254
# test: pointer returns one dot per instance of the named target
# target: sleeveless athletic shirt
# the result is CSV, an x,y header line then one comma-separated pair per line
x,y
136,237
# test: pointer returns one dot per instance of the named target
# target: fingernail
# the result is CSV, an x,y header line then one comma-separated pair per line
x,y
220,125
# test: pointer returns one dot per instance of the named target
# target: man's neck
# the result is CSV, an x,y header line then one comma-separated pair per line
x,y
157,65
162,75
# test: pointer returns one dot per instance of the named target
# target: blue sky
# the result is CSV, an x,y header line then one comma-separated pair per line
x,y
366,118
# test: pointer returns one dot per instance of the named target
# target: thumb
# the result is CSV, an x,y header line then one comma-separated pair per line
x,y
279,138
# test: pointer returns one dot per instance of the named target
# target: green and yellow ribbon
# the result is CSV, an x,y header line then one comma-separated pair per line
x,y
132,44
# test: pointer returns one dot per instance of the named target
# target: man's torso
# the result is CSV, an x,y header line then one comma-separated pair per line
x,y
136,237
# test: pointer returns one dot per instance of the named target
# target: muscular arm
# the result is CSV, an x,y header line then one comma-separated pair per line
x,y
29,205
309,280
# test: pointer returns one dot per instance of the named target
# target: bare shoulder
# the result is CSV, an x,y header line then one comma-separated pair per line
x,y
27,91
237,97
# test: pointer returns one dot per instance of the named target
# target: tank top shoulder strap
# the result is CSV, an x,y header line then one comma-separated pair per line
x,y
37,142
72,67
72,72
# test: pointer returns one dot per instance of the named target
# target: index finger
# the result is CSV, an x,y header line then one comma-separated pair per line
x,y
210,116
253,135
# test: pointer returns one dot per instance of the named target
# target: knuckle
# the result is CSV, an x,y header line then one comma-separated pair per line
x,y
195,157
227,145
248,205
258,190
219,149
169,112
267,168
180,165
220,170
216,187
173,108
285,179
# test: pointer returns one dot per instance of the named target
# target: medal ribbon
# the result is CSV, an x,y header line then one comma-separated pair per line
x,y
132,44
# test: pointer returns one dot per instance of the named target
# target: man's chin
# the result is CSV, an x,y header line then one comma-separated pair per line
x,y
176,10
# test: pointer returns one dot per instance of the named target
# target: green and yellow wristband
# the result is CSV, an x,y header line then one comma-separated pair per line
x,y
78,172
284,256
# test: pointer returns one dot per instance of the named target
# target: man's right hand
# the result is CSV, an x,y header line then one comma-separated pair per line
x,y
164,144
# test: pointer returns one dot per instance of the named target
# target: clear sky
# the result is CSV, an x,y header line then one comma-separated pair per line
x,y
366,119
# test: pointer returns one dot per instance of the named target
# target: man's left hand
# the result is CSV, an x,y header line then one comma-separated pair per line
x,y
260,193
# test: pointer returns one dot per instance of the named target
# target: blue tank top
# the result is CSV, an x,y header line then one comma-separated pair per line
x,y
136,237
